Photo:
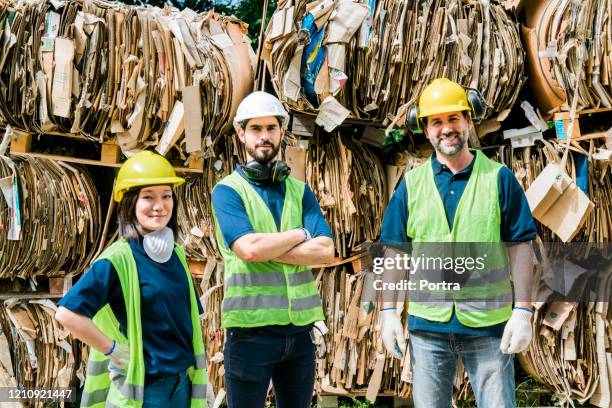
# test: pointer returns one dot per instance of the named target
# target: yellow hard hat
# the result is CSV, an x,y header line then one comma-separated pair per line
x,y
144,169
441,96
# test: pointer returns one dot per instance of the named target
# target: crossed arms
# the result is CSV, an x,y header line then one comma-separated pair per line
x,y
286,247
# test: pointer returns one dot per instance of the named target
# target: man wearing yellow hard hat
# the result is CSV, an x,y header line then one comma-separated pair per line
x,y
460,199
136,307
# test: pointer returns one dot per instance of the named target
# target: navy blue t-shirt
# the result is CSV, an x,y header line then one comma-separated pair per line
x,y
517,225
234,222
165,307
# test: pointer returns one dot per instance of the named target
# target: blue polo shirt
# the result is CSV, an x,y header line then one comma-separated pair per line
x,y
517,225
165,307
234,222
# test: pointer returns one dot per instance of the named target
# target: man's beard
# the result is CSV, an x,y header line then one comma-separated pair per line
x,y
454,149
263,157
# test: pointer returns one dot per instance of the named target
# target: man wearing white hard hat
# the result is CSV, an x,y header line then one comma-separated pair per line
x,y
269,228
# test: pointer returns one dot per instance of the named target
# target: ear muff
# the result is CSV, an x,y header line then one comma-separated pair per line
x,y
477,103
277,171
412,120
256,171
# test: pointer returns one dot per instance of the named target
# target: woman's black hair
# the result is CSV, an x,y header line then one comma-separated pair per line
x,y
126,215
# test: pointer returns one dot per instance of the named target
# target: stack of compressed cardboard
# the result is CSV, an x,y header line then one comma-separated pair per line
x,y
141,75
195,218
51,218
349,181
366,59
196,226
570,351
560,38
571,205
565,356
211,289
43,354
352,359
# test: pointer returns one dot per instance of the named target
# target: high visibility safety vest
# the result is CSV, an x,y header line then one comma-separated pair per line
x,y
485,299
128,390
267,293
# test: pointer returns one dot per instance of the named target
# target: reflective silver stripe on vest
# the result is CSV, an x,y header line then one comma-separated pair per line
x,y
439,305
488,293
256,279
269,278
477,304
255,302
465,305
474,307
425,296
301,278
305,303
483,305
130,391
97,367
198,391
94,397
433,299
200,361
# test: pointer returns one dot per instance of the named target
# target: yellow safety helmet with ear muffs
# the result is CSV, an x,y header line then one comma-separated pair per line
x,y
145,168
441,96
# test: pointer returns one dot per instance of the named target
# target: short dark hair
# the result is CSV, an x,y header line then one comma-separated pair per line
x,y
126,215
243,124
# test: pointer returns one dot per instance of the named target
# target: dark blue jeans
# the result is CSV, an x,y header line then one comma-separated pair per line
x,y
168,392
253,358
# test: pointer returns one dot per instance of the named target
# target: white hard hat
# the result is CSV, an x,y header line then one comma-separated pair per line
x,y
258,105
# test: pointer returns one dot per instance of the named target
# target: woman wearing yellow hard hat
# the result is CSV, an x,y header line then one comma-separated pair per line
x,y
136,306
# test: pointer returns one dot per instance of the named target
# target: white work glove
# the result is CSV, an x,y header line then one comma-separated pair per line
x,y
210,396
120,355
316,335
392,332
517,333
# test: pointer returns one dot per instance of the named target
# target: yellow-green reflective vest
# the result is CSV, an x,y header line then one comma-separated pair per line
x,y
486,297
267,293
128,390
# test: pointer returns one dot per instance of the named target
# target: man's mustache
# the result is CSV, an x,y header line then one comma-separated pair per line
x,y
451,134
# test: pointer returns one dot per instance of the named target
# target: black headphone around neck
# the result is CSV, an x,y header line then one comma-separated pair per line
x,y
476,101
276,171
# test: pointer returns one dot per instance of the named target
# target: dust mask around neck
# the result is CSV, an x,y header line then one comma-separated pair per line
x,y
159,245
